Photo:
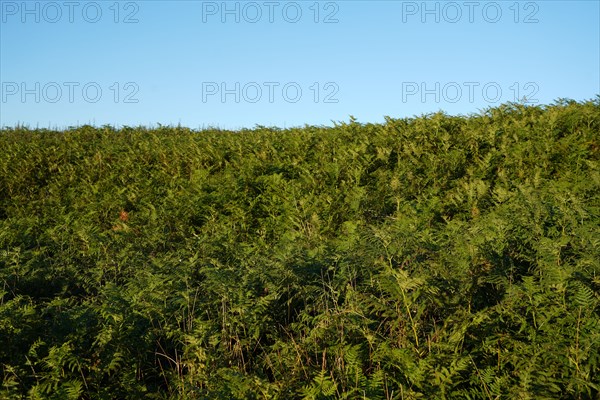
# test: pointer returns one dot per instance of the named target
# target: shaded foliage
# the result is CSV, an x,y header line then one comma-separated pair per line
x,y
429,257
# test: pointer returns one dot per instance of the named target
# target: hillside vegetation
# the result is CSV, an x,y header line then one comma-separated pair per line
x,y
435,257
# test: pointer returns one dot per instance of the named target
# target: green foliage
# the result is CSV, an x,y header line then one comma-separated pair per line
x,y
423,258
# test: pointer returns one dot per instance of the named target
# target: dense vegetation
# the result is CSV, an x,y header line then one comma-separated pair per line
x,y
432,257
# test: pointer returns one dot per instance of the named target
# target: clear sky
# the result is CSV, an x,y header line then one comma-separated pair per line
x,y
282,63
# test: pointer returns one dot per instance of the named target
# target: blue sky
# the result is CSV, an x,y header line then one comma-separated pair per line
x,y
282,63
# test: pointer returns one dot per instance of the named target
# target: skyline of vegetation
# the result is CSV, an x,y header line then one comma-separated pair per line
x,y
433,257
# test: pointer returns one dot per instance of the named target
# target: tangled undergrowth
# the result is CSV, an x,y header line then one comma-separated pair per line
x,y
437,257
